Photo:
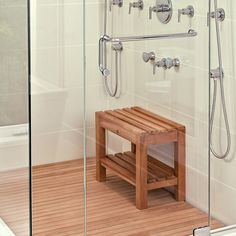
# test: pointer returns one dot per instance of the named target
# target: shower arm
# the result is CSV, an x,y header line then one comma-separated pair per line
x,y
105,38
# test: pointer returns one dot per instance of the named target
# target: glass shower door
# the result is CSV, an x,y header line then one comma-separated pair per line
x,y
14,122
222,113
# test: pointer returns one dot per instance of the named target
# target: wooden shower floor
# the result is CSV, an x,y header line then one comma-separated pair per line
x,y
58,206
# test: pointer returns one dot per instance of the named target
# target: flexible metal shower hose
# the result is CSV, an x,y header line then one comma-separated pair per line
x,y
222,94
114,93
109,90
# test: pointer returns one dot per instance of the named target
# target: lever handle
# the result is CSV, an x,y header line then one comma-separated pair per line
x,y
118,3
110,3
176,62
179,15
130,7
189,11
139,4
154,68
166,63
161,63
150,12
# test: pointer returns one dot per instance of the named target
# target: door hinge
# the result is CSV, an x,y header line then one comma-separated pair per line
x,y
202,231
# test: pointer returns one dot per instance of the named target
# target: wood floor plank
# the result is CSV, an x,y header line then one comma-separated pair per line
x,y
110,207
58,205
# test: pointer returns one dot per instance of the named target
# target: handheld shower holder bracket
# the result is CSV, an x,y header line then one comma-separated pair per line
x,y
216,74
118,47
219,15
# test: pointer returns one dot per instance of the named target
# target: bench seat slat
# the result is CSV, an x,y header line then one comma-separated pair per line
x,y
146,122
147,118
158,117
130,121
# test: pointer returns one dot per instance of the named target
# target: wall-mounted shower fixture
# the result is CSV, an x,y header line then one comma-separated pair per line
x,y
105,39
166,63
188,11
118,3
139,4
149,56
218,78
219,14
163,10
102,56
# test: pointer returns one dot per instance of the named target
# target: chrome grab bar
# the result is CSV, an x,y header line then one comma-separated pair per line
x,y
101,64
190,33
101,54
105,38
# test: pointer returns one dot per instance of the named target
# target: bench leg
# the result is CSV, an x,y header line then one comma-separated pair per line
x,y
141,176
180,166
100,151
133,148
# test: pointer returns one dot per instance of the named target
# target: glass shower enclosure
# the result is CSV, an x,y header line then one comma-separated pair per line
x,y
14,119
128,121
222,114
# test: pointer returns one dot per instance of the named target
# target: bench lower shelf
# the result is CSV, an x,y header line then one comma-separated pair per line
x,y
159,175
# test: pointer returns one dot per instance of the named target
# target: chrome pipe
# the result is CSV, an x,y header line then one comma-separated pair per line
x,y
190,33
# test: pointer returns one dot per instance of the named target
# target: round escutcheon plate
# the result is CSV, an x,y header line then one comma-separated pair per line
x,y
165,10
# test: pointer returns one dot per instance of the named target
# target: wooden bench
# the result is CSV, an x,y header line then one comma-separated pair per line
x,y
141,128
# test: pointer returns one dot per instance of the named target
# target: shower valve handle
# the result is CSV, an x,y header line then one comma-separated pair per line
x,y
151,10
159,8
154,68
189,11
118,3
139,4
149,56
161,63
219,15
169,63
166,63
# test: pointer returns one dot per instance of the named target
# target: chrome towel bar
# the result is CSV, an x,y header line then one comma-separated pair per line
x,y
190,33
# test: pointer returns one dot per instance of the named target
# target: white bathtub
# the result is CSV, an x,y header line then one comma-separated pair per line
x,y
13,147
47,100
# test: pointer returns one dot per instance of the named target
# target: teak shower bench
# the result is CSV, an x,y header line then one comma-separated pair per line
x,y
141,128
